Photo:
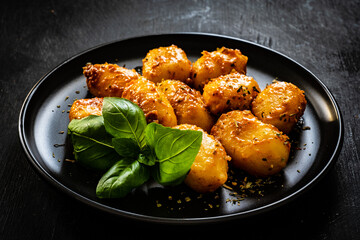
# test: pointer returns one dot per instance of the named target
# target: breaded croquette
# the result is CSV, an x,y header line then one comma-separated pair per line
x,y
151,100
188,104
256,147
209,170
108,80
166,63
233,91
84,107
214,64
280,104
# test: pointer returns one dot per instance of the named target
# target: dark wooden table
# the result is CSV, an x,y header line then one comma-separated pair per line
x,y
36,36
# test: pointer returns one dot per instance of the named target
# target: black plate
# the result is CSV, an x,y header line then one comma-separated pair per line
x,y
43,124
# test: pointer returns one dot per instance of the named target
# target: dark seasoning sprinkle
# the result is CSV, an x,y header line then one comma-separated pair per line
x,y
175,201
238,187
57,145
242,186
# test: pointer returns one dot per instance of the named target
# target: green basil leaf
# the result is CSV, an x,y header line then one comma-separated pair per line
x,y
92,144
175,151
121,178
147,159
126,147
124,119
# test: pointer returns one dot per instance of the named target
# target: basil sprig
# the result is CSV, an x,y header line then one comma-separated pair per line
x,y
121,143
92,145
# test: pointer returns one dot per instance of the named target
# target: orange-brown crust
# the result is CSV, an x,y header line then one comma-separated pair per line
x,y
209,170
166,63
280,104
188,104
84,107
108,80
217,63
151,100
256,147
234,91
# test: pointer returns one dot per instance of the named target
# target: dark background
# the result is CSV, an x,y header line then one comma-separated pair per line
x,y
36,36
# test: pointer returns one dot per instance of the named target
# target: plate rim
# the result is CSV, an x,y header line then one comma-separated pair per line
x,y
148,218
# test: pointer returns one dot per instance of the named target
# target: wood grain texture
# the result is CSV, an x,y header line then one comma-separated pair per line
x,y
36,36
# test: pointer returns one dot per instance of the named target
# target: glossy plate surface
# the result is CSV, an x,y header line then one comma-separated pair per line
x,y
43,125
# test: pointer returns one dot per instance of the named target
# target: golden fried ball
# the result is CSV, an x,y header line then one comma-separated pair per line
x,y
280,104
216,63
234,91
84,107
151,100
166,63
188,104
256,147
209,170
108,80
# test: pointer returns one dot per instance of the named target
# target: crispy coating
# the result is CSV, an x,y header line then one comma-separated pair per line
x,y
216,63
188,104
256,147
234,91
84,107
108,80
209,170
280,104
166,63
151,100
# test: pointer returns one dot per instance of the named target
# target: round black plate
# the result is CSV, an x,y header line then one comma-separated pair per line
x,y
43,125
